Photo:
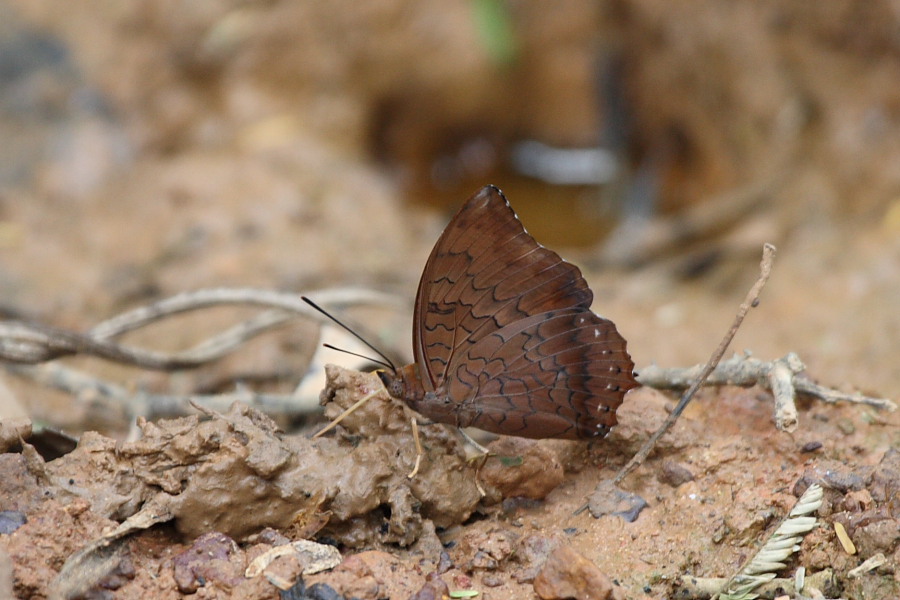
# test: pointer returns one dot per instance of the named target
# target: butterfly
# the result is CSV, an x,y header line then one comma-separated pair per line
x,y
504,338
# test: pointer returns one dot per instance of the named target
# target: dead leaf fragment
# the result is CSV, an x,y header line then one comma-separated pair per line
x,y
844,539
313,556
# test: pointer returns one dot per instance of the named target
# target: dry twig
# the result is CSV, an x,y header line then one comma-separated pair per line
x,y
750,301
89,389
784,377
24,345
31,343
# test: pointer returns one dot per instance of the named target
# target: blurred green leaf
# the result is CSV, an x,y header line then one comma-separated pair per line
x,y
495,27
511,461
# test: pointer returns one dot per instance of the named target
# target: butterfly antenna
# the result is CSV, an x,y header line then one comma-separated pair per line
x,y
369,358
387,362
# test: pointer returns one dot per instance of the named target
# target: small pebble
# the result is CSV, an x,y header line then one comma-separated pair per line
x,y
811,446
607,499
435,588
568,574
321,591
674,474
10,520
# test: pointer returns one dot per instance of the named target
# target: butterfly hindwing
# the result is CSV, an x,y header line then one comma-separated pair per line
x,y
558,374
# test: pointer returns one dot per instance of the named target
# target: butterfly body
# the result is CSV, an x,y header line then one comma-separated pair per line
x,y
406,385
504,338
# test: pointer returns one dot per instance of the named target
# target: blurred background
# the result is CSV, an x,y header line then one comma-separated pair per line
x,y
152,147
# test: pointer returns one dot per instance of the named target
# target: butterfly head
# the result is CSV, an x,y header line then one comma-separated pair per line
x,y
393,383
405,384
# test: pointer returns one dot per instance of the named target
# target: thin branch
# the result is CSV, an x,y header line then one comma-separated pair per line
x,y
31,343
804,385
741,370
153,406
745,371
198,299
23,345
34,343
223,343
750,301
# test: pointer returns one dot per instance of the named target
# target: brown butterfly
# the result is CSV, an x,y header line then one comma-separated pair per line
x,y
504,338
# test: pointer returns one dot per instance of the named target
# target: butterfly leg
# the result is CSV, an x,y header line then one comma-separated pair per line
x,y
478,474
346,413
484,451
485,454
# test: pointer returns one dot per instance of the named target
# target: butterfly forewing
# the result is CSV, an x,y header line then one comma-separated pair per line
x,y
484,273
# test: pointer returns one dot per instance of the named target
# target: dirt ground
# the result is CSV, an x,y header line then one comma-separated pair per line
x,y
154,148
